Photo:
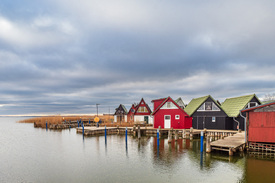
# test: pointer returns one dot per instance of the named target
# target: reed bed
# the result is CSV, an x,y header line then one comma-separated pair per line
x,y
41,121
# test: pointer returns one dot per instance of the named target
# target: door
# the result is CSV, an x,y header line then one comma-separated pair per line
x,y
146,119
167,121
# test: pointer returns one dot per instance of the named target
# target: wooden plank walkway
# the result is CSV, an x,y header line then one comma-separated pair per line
x,y
230,144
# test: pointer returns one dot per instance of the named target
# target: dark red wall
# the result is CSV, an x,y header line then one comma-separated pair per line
x,y
184,122
261,127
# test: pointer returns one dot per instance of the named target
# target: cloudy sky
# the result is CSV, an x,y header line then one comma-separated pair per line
x,y
64,56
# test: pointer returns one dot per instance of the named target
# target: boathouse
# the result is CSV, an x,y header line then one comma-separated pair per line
x,y
233,106
207,113
168,114
142,112
120,114
131,113
260,122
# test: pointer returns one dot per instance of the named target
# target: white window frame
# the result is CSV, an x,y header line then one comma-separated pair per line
x,y
213,103
213,119
177,116
248,105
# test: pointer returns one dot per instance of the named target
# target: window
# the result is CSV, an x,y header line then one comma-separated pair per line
x,y
142,109
177,117
251,104
201,108
168,104
167,117
213,119
209,106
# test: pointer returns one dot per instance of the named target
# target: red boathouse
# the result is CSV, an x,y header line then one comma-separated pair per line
x,y
168,114
261,123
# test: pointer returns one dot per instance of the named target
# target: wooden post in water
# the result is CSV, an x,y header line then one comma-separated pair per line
x,y
139,133
176,135
230,152
208,146
169,136
134,131
191,133
184,133
159,131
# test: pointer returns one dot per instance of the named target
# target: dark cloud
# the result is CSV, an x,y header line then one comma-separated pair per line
x,y
62,57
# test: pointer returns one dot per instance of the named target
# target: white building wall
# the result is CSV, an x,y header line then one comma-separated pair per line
x,y
125,118
115,118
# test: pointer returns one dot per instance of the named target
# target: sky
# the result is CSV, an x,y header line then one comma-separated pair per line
x,y
66,56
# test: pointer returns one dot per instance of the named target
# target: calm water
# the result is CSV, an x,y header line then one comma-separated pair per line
x,y
30,154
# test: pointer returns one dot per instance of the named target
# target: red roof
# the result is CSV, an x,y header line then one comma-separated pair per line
x,y
165,102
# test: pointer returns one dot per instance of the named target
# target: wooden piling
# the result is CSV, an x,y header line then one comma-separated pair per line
x,y
139,133
184,133
231,152
169,136
176,135
208,147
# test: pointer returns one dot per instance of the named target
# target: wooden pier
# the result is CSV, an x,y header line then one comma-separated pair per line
x,y
231,143
138,131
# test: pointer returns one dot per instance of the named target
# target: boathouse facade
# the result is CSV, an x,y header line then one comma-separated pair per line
x,y
233,106
120,114
141,112
168,114
260,122
207,113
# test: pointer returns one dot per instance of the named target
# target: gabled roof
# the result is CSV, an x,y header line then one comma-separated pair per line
x,y
259,106
232,106
179,100
148,108
194,104
123,107
166,99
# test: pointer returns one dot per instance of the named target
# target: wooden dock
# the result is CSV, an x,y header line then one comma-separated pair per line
x,y
231,143
138,131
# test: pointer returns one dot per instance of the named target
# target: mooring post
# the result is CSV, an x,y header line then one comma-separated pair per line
x,y
159,131
83,129
169,136
176,135
201,141
46,125
158,134
184,133
126,134
77,124
134,131
230,152
208,147
105,132
139,131
191,133
89,121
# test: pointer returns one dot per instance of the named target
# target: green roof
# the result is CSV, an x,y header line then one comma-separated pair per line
x,y
194,104
232,106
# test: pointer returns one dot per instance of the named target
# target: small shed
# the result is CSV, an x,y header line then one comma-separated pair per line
x,y
261,123
120,114
168,114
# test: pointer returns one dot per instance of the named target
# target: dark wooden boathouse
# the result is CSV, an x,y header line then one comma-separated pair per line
x,y
207,113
